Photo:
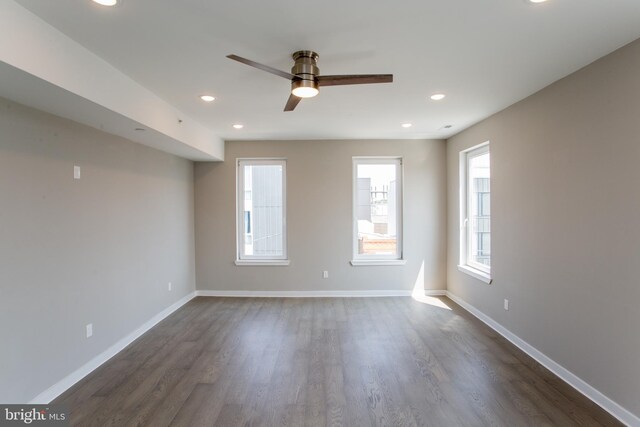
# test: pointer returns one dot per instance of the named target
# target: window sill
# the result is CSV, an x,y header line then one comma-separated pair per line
x,y
262,263
473,272
367,262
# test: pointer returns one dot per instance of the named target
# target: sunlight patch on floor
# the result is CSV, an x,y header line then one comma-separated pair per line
x,y
434,301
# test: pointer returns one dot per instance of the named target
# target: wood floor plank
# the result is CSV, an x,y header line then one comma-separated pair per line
x,y
325,362
202,407
143,411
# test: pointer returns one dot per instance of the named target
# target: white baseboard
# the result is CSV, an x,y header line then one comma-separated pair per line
x,y
435,293
304,294
67,382
580,385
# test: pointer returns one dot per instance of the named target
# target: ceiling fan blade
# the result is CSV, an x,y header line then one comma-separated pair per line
x,y
356,79
262,67
292,102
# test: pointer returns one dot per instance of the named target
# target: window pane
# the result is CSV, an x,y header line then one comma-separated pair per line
x,y
376,209
480,209
263,211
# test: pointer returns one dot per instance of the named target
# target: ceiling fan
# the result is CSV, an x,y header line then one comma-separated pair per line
x,y
306,79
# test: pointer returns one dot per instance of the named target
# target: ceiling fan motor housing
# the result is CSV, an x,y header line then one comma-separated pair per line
x,y
305,69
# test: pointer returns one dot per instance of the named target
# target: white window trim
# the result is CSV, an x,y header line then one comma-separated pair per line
x,y
261,263
253,260
359,260
480,275
474,269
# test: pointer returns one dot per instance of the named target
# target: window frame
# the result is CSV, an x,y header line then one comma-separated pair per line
x,y
398,257
467,265
256,260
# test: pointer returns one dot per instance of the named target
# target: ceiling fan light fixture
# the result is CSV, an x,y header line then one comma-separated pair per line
x,y
106,2
304,88
305,92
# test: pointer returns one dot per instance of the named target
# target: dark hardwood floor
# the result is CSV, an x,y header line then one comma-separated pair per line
x,y
325,361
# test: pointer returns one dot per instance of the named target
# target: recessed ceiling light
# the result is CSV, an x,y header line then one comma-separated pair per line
x,y
438,96
207,98
106,2
238,126
537,1
406,125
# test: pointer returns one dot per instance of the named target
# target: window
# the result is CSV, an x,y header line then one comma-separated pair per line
x,y
475,212
377,211
262,212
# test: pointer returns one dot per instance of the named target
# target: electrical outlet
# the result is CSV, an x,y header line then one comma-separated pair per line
x,y
506,304
170,285
76,172
325,274
89,330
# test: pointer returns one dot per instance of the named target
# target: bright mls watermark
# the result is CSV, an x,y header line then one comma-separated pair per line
x,y
34,415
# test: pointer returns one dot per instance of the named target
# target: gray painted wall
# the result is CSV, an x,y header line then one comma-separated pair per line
x,y
319,217
99,250
565,209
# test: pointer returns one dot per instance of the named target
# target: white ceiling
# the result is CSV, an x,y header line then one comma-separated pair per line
x,y
484,54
